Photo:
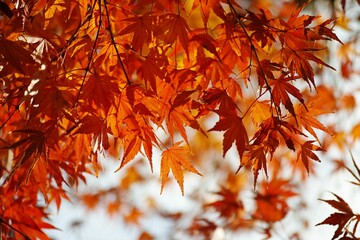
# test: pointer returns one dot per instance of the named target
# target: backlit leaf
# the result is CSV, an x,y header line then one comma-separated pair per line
x,y
176,158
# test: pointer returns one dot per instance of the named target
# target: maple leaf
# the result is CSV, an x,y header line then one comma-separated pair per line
x,y
206,7
281,90
230,208
145,236
153,68
132,145
50,99
17,56
256,158
341,218
181,99
260,111
306,118
174,26
355,174
13,220
175,158
131,66
272,202
298,62
215,6
207,42
135,107
325,32
203,226
100,90
274,125
216,98
228,204
306,153
141,27
133,216
176,119
91,124
176,114
234,132
258,24
113,207
34,145
90,200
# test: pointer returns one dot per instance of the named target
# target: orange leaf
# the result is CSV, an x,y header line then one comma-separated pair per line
x,y
132,145
260,111
33,145
272,201
90,200
176,158
91,124
175,27
141,27
133,216
255,157
207,42
152,68
100,90
229,206
306,118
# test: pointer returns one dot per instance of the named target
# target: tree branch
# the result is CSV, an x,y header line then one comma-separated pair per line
x,y
253,50
90,57
114,44
14,229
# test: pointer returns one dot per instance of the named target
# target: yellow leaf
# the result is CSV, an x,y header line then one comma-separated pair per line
x,y
348,102
57,6
355,132
260,112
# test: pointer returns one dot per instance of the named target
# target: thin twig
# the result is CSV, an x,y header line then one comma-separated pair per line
x,y
114,44
73,36
90,57
10,116
255,100
14,229
253,50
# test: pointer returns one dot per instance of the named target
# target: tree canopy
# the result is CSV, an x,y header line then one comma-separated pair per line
x,y
231,88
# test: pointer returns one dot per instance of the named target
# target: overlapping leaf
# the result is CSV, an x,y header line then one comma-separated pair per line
x,y
234,132
109,73
281,90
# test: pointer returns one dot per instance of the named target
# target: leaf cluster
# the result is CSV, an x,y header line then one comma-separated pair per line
x,y
84,80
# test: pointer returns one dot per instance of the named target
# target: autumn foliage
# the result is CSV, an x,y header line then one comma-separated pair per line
x,y
89,81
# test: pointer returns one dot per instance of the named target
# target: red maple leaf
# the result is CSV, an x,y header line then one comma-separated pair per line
x,y
234,132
